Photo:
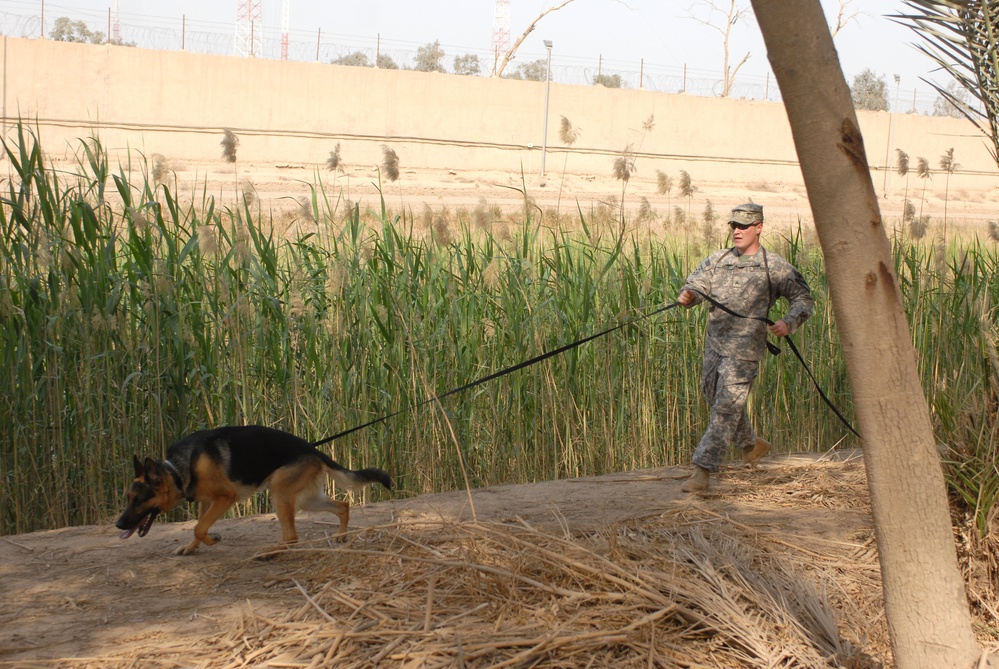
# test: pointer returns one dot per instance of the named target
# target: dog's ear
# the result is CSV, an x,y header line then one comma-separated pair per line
x,y
153,472
139,469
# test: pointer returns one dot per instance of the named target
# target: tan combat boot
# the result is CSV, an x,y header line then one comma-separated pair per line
x,y
752,454
698,482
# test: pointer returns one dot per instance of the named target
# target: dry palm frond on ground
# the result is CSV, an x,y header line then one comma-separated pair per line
x,y
683,589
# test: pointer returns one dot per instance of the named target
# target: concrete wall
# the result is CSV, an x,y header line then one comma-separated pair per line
x,y
177,104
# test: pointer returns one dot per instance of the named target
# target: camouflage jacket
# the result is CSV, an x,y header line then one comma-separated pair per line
x,y
748,285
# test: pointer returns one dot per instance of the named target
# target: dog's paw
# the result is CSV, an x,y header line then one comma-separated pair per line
x,y
271,553
210,539
187,550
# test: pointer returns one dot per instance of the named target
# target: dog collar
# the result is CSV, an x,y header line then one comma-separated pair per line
x,y
175,473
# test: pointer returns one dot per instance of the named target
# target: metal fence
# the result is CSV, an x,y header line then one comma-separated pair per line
x,y
23,19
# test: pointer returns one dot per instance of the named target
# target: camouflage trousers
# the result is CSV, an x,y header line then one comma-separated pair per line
x,y
726,383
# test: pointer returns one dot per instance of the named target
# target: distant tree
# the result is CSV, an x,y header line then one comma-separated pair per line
x,y
869,91
607,80
722,17
385,62
536,70
355,59
429,57
67,30
954,103
467,64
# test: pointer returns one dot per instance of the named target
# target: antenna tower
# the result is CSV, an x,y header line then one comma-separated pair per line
x,y
115,27
248,27
501,30
285,20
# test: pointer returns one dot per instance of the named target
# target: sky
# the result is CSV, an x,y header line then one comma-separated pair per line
x,y
661,40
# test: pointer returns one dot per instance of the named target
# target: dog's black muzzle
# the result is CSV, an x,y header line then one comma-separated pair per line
x,y
128,523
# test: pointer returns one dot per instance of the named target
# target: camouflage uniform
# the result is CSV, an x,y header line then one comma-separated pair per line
x,y
748,285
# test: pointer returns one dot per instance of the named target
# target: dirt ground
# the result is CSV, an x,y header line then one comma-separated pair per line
x,y
282,188
81,597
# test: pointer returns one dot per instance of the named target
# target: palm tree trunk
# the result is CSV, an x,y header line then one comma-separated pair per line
x,y
927,611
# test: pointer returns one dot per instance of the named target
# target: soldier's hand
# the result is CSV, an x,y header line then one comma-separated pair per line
x,y
780,329
685,298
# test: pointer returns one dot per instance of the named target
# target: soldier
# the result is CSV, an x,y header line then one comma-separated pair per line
x,y
748,280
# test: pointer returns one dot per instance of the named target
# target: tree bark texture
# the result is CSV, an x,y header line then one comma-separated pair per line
x,y
927,610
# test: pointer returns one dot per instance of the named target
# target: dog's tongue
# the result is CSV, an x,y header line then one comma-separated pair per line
x,y
127,533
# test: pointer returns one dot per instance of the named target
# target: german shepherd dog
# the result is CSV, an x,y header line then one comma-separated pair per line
x,y
217,468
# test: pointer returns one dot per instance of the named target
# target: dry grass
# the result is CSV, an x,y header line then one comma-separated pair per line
x,y
684,589
688,588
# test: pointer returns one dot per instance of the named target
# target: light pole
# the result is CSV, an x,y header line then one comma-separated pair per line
x,y
548,81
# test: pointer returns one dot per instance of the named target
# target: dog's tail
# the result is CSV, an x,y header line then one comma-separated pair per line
x,y
355,479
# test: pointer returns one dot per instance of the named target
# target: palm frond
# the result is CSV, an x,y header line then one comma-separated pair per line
x,y
962,37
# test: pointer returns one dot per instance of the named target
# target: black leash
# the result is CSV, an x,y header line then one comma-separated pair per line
x,y
776,351
496,375
562,349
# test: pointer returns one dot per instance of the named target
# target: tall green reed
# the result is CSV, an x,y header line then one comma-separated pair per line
x,y
132,314
950,294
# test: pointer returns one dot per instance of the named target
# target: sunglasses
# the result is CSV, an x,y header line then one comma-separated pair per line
x,y
741,226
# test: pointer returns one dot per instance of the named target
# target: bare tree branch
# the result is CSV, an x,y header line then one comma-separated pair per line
x,y
843,17
499,66
732,15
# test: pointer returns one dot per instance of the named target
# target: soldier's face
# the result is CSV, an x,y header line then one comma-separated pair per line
x,y
746,239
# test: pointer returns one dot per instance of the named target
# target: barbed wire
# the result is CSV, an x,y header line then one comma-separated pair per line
x,y
171,34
